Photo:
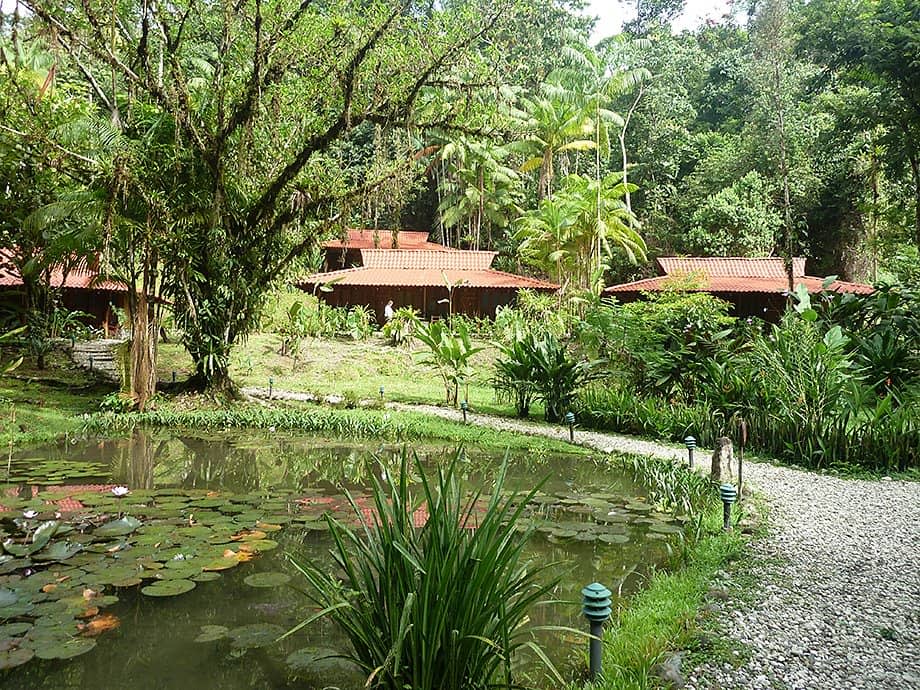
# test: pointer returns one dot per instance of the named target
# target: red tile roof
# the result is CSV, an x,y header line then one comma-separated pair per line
x,y
720,284
427,277
422,259
79,277
364,239
761,267
732,274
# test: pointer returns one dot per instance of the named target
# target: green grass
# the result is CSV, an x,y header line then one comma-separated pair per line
x,y
664,616
355,370
39,406
359,423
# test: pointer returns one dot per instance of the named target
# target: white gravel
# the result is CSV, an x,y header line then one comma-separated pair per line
x,y
838,601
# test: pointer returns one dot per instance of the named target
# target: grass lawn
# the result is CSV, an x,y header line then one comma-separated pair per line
x,y
355,370
38,406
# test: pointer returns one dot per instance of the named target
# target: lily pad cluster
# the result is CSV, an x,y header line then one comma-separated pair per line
x,y
600,518
49,471
57,574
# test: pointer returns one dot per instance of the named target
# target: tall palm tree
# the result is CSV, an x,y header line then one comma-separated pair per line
x,y
554,122
572,235
480,190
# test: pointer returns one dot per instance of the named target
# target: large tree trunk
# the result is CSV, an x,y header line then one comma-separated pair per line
x,y
143,351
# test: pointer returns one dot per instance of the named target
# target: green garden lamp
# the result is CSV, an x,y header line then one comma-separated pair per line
x,y
595,606
381,392
729,495
570,420
271,385
690,442
464,406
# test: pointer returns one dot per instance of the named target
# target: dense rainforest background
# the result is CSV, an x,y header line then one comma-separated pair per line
x,y
201,151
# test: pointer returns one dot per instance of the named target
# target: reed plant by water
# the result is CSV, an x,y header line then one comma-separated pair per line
x,y
443,605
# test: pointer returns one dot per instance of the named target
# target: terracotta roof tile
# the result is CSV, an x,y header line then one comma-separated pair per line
x,y
80,277
762,267
428,277
721,284
423,259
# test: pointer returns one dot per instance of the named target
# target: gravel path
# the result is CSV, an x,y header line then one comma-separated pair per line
x,y
839,600
838,604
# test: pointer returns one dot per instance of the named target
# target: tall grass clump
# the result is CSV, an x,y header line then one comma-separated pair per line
x,y
441,606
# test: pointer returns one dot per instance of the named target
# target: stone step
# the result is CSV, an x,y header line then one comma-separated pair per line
x,y
98,356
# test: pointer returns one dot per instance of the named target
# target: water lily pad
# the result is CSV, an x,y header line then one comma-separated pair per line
x,y
11,658
211,633
168,588
14,630
255,635
258,545
662,528
65,650
268,526
184,573
206,577
613,538
210,502
267,579
564,533
306,658
118,528
7,597
59,551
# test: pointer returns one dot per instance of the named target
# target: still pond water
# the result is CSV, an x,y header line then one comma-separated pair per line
x,y
591,519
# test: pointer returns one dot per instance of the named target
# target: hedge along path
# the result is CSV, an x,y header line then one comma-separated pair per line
x,y
837,599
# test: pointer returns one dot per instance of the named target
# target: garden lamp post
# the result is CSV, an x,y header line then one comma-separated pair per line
x,y
570,420
381,392
271,386
464,406
595,606
91,363
174,376
690,442
729,495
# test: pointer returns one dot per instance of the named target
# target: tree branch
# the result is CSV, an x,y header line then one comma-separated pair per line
x,y
263,206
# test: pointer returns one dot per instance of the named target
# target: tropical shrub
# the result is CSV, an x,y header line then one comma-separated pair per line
x,y
539,365
513,379
7,367
665,344
360,322
400,329
324,321
450,353
444,605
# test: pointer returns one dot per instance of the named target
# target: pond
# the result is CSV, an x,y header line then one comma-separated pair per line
x,y
185,580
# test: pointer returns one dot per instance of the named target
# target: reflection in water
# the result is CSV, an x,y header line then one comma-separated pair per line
x,y
154,646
